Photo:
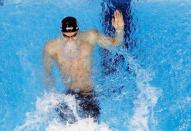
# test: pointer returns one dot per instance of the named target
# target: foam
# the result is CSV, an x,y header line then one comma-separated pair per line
x,y
82,125
45,118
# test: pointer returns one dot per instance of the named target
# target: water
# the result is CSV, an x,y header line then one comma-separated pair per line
x,y
149,91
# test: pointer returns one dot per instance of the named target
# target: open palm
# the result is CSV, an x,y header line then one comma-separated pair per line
x,y
117,21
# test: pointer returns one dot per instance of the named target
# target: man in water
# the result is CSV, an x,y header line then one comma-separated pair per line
x,y
72,52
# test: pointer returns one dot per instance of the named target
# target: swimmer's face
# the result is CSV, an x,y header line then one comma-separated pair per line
x,y
69,36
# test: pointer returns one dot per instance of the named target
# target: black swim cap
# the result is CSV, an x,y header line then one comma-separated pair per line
x,y
69,24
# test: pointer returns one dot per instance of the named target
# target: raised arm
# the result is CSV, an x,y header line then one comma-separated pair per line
x,y
48,60
118,24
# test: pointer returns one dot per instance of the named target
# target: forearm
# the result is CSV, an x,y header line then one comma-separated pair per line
x,y
119,37
48,78
108,42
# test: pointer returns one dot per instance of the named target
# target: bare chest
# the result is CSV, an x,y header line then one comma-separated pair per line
x,y
74,57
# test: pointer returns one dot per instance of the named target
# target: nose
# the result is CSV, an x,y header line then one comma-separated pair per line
x,y
70,39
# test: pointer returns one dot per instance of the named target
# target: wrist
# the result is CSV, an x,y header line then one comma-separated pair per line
x,y
119,30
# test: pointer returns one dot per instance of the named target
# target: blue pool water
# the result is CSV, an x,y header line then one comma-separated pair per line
x,y
149,91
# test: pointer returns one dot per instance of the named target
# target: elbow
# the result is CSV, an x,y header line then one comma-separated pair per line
x,y
116,41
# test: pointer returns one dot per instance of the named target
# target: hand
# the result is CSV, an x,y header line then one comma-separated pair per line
x,y
117,21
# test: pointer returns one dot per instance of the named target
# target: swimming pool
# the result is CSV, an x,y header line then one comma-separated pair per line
x,y
149,90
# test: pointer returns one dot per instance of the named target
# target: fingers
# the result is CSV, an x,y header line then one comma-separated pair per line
x,y
117,14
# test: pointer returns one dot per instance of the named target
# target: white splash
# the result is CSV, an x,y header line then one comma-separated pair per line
x,y
82,125
45,118
143,116
146,100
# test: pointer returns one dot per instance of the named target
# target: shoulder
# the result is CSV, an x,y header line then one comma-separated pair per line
x,y
90,35
92,32
50,46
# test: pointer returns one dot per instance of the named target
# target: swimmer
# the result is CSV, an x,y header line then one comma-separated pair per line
x,y
72,51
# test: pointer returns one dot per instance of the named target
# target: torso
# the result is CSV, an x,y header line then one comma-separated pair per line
x,y
75,67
